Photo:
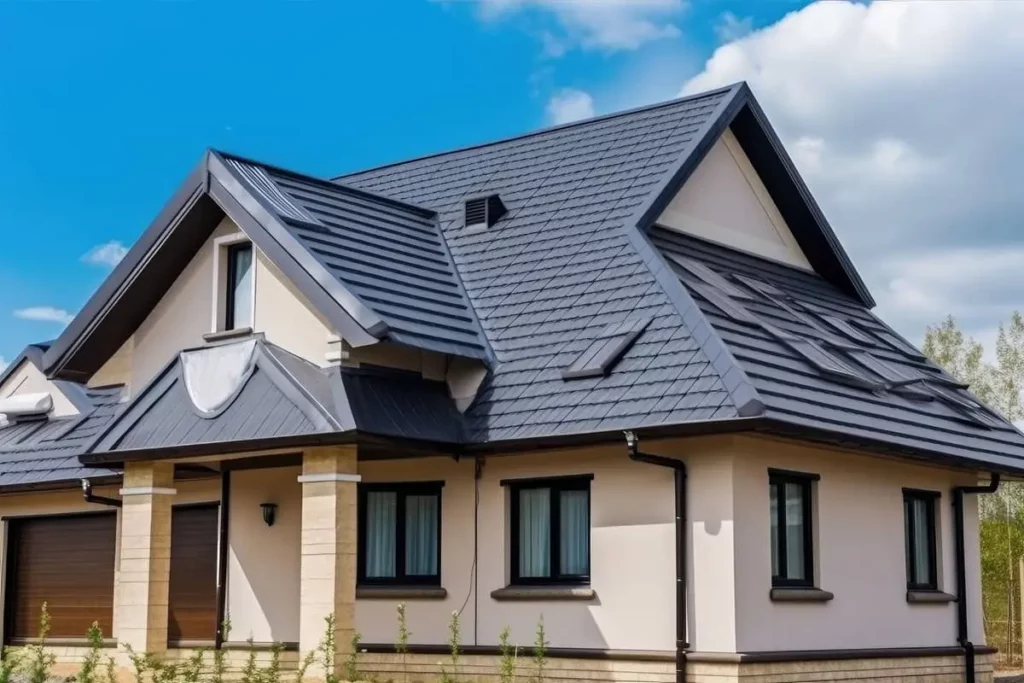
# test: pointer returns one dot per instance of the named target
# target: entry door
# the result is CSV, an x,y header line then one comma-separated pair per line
x,y
192,612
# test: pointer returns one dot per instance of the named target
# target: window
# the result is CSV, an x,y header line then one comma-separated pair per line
x,y
791,538
400,534
550,530
919,531
238,300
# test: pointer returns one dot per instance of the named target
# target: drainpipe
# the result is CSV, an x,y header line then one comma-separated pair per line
x,y
961,570
679,471
99,500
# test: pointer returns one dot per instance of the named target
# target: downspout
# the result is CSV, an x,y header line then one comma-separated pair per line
x,y
678,468
99,500
961,570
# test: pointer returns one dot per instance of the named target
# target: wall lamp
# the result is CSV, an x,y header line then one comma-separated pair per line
x,y
269,512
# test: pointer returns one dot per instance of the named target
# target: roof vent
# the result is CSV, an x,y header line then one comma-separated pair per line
x,y
24,407
483,212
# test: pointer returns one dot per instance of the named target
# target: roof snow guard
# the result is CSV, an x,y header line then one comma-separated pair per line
x,y
270,398
377,269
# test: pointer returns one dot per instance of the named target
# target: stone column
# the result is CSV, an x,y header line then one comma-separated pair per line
x,y
328,572
140,605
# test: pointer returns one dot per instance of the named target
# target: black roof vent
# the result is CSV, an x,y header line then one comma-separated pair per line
x,y
483,212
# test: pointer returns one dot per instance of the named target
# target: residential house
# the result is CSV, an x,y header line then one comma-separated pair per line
x,y
620,374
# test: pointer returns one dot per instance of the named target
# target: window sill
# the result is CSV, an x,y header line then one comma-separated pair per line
x,y
544,593
799,595
224,335
929,597
401,592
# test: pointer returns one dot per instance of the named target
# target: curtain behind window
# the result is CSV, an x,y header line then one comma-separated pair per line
x,y
535,532
421,535
794,531
241,288
922,544
381,525
575,533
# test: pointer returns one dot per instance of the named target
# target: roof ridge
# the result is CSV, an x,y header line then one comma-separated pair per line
x,y
546,130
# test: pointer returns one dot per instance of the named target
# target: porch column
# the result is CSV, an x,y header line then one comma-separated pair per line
x,y
140,603
328,570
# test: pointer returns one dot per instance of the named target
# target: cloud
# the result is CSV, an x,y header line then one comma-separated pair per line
x,y
902,121
107,255
731,27
569,105
44,314
609,25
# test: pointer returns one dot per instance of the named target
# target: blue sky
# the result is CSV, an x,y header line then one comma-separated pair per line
x,y
104,106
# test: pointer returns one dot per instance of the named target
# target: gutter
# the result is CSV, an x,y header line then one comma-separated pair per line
x,y
962,636
678,468
99,500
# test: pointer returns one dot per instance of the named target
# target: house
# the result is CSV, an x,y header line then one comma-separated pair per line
x,y
620,374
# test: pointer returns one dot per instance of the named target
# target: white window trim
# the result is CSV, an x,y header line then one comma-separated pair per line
x,y
220,247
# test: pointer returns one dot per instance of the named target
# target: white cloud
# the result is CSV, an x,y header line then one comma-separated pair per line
x,y
597,24
570,105
44,314
108,254
903,119
731,27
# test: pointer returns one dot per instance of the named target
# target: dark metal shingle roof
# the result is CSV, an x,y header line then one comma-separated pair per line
x,y
388,254
789,307
561,266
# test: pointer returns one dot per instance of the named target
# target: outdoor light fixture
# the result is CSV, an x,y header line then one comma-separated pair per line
x,y
269,509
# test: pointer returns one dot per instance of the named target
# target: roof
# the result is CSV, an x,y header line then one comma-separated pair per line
x,y
282,400
377,269
45,452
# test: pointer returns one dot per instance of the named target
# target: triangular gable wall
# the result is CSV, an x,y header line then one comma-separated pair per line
x,y
725,201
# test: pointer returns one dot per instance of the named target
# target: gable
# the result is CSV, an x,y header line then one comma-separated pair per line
x,y
26,378
187,312
725,201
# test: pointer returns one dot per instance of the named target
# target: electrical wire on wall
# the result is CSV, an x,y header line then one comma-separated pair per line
x,y
478,466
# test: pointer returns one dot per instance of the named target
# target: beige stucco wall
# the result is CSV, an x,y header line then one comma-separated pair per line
x,y
725,201
263,562
117,369
186,312
28,379
860,556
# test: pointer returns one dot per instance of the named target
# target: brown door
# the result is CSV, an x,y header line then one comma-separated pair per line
x,y
66,562
192,615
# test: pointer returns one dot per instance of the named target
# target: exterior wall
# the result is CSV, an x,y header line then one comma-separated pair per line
x,y
627,541
184,315
263,562
117,370
28,379
725,201
859,552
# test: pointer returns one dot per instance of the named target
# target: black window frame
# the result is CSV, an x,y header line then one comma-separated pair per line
x,y
555,485
931,498
806,481
231,254
402,490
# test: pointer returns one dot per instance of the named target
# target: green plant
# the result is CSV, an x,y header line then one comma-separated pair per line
x,y
272,673
40,660
110,666
163,672
307,661
540,651
9,664
141,663
192,669
250,672
91,663
352,660
507,668
401,643
219,665
329,651
454,639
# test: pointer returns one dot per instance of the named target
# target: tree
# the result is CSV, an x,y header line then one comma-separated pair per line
x,y
999,386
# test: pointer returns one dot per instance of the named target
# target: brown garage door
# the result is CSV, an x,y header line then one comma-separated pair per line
x,y
193,593
66,562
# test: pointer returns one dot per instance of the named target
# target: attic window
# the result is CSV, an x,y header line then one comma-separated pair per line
x,y
613,341
726,305
846,329
483,212
710,277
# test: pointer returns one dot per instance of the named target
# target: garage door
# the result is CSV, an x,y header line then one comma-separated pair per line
x,y
66,562
192,614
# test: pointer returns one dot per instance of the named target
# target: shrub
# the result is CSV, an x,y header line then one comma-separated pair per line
x,y
540,651
91,663
9,664
454,640
507,668
352,660
401,643
39,659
